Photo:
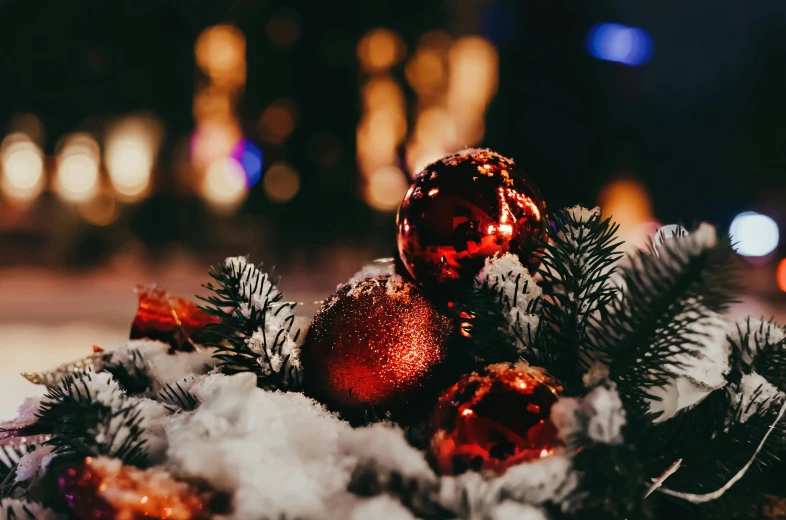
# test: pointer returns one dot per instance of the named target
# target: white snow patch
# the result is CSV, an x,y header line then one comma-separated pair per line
x,y
755,394
34,464
509,510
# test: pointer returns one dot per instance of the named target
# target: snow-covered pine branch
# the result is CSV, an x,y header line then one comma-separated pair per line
x,y
257,331
89,414
666,324
578,261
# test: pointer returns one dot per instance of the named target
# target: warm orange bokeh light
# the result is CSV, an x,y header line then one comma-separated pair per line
x,y
628,203
220,52
781,275
379,50
277,122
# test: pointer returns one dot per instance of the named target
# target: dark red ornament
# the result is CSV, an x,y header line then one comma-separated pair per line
x,y
375,343
463,209
168,318
494,420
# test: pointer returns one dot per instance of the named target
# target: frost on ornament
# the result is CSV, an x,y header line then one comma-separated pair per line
x,y
374,269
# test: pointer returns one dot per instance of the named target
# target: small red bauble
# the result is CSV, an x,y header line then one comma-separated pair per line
x,y
375,343
494,420
168,318
463,209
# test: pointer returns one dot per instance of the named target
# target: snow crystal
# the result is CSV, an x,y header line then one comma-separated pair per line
x,y
379,267
387,447
565,417
34,464
754,394
581,214
13,509
759,332
382,507
509,510
597,374
257,294
605,415
547,479
162,367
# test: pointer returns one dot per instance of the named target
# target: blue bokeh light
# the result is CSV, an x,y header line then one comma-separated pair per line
x,y
250,157
619,43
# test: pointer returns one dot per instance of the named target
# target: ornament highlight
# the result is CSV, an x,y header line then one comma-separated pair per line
x,y
376,343
495,419
465,208
169,319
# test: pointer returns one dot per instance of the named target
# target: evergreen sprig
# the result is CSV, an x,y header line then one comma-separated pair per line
x,y
246,299
642,335
577,265
82,425
175,398
760,346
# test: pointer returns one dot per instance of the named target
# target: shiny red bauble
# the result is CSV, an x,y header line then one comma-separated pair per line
x,y
495,419
465,208
375,343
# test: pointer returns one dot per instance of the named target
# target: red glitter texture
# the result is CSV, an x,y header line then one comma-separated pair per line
x,y
104,489
169,319
463,209
494,420
374,344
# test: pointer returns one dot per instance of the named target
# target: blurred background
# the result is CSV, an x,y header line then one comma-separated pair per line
x,y
141,141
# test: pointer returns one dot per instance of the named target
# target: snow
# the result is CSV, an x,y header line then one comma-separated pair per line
x,y
509,510
379,267
34,464
249,287
581,214
605,415
382,507
506,276
548,479
160,365
565,415
759,332
755,394
12,509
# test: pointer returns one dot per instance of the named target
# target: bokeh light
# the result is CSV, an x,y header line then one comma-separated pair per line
x,y
21,167
628,203
131,148
281,183
277,122
781,275
619,43
284,29
250,157
78,168
385,188
100,210
220,52
224,184
213,140
754,234
380,49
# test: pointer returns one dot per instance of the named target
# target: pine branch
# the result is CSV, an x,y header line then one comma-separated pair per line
x,y
643,336
255,333
82,424
577,264
760,346
176,399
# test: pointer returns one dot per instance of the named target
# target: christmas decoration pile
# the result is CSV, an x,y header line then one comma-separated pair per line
x,y
517,367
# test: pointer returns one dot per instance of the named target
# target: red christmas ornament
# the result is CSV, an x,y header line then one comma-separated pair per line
x,y
463,209
169,319
374,343
494,420
105,489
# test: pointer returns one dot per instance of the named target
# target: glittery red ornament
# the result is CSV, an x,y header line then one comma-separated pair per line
x,y
105,489
169,319
463,209
374,344
494,420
